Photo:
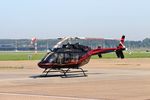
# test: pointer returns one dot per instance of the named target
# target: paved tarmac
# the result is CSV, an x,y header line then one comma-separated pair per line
x,y
108,79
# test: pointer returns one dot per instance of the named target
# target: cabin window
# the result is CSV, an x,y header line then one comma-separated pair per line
x,y
64,58
74,57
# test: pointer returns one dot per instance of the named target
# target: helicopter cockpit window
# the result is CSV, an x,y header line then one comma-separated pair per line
x,y
62,58
50,57
46,57
53,58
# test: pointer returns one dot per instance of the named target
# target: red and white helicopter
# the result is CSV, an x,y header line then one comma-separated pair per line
x,y
65,57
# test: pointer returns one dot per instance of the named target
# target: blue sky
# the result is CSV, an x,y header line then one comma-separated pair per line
x,y
83,18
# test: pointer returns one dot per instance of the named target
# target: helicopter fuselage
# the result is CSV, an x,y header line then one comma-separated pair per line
x,y
69,56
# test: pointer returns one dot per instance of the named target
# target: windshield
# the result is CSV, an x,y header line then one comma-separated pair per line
x,y
50,57
61,58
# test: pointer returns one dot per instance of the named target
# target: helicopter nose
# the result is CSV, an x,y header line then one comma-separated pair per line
x,y
39,64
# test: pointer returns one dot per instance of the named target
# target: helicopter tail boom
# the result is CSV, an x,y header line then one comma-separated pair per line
x,y
119,49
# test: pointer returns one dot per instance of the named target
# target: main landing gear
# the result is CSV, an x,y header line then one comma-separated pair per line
x,y
64,71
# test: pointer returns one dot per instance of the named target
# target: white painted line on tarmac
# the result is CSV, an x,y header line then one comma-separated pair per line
x,y
46,96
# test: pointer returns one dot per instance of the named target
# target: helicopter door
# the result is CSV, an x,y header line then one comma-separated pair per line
x,y
75,57
60,59
67,58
